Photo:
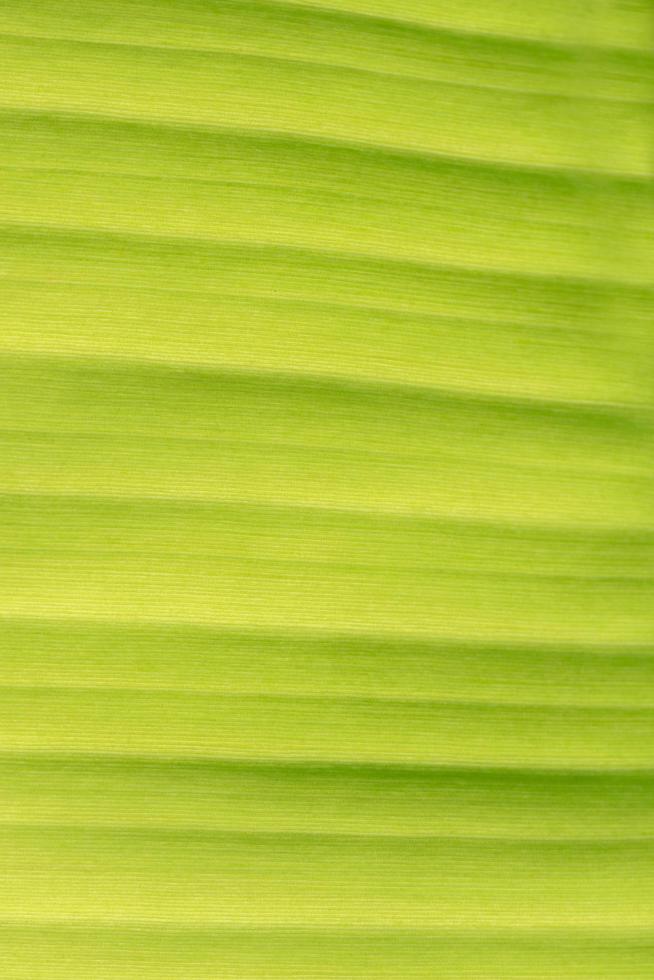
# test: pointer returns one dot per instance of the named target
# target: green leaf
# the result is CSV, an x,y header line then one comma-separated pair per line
x,y
326,490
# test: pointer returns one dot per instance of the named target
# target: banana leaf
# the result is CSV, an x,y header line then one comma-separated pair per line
x,y
326,490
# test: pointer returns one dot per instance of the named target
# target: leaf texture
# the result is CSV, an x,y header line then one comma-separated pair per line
x,y
326,496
